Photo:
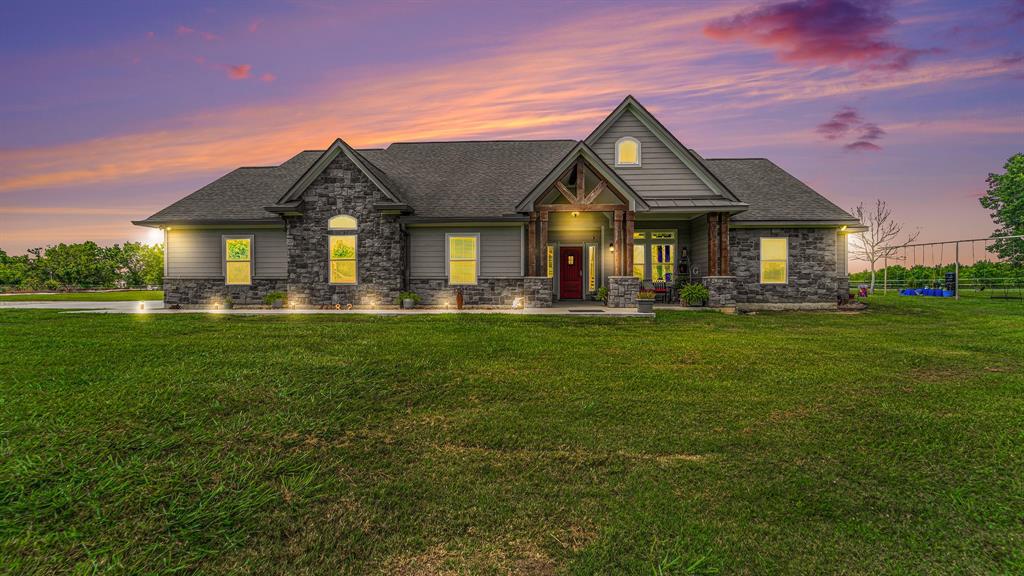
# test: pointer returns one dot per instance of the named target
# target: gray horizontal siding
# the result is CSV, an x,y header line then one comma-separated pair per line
x,y
501,251
193,253
661,173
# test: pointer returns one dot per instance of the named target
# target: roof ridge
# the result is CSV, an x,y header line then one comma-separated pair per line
x,y
744,158
481,141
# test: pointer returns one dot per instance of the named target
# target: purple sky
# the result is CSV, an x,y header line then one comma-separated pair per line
x,y
110,111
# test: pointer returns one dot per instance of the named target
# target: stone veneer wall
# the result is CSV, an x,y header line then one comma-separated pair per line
x,y
539,291
487,292
812,266
622,291
721,290
343,189
205,292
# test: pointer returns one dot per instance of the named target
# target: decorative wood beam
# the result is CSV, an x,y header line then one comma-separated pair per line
x,y
565,192
618,244
581,187
594,193
544,241
712,244
628,253
584,207
531,245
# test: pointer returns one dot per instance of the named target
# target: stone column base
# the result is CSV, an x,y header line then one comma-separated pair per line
x,y
538,291
722,291
622,291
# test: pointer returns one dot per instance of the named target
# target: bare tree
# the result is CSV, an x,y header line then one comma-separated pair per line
x,y
879,242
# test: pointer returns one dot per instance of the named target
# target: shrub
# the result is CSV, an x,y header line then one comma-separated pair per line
x,y
602,294
645,295
274,297
408,296
694,294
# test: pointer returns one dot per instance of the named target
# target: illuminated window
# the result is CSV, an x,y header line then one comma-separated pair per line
x,y
638,261
663,235
639,235
238,260
591,268
774,260
463,264
342,250
342,222
662,262
551,261
627,152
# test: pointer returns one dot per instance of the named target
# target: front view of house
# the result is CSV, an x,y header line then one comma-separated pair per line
x,y
545,220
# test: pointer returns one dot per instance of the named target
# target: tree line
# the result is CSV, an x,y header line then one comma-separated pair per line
x,y
83,265
981,274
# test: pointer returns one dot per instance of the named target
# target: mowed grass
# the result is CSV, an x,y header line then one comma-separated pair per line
x,y
890,441
112,296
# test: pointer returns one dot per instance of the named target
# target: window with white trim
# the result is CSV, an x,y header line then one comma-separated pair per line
x,y
774,260
627,151
462,255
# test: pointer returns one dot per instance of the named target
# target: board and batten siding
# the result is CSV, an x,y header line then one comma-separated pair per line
x,y
501,251
699,245
197,253
661,173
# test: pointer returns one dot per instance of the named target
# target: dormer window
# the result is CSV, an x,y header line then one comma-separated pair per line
x,y
627,152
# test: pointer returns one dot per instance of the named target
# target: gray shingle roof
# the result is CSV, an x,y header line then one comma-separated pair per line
x,y
467,179
238,195
772,193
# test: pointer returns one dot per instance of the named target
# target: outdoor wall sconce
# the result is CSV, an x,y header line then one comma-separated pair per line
x,y
611,247
575,214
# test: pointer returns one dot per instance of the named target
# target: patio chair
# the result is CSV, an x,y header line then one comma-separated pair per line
x,y
661,292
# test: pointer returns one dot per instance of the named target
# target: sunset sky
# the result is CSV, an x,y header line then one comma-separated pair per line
x,y
111,110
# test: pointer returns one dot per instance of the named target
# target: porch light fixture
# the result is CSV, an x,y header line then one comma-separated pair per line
x,y
575,214
843,228
611,247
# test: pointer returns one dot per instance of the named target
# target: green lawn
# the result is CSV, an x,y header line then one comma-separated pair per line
x,y
131,295
890,441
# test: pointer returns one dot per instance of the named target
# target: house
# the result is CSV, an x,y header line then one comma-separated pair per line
x,y
547,220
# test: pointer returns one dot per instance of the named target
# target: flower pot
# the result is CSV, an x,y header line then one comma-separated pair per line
x,y
408,303
644,306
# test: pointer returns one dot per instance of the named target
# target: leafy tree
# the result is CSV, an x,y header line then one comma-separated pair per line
x,y
1005,198
80,265
138,264
153,267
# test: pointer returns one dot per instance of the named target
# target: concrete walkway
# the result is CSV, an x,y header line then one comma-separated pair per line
x,y
157,307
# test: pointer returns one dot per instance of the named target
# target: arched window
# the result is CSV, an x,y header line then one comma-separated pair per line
x,y
342,222
342,251
627,152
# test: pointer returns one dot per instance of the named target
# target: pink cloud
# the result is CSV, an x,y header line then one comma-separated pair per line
x,y
849,121
183,30
822,31
267,77
239,71
862,146
255,25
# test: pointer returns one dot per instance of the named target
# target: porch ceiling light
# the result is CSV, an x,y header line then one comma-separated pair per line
x,y
575,214
611,247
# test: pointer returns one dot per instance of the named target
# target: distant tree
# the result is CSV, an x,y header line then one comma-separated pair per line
x,y
13,269
138,264
881,240
153,264
80,265
1005,198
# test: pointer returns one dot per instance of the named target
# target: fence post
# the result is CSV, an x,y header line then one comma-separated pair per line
x,y
956,273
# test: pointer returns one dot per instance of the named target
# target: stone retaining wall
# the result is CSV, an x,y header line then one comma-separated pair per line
x,y
721,291
487,292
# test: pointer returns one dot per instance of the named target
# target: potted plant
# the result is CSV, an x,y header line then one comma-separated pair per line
x,y
645,301
275,300
602,294
408,300
694,294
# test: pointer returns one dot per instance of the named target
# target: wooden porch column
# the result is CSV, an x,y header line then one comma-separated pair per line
x,y
724,244
628,255
531,245
713,238
619,246
543,245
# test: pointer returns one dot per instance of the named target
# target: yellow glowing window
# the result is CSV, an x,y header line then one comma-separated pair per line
x,y
342,222
638,261
639,235
238,261
462,259
627,152
774,260
342,251
665,235
551,261
662,262
591,268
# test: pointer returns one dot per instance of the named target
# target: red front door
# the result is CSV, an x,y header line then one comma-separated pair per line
x,y
570,272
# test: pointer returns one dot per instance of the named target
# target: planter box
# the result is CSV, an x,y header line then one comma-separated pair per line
x,y
645,306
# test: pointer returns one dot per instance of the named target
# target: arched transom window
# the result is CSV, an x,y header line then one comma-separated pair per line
x,y
627,152
342,253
